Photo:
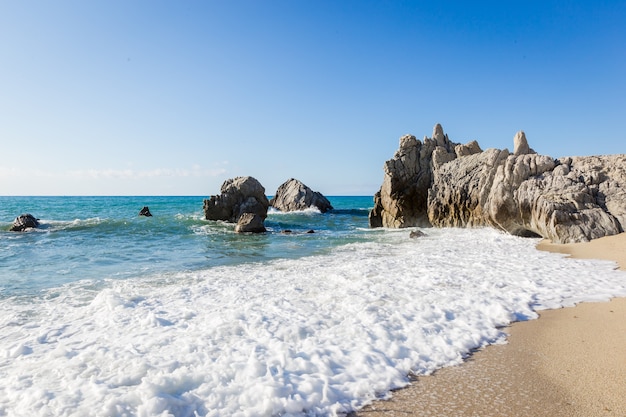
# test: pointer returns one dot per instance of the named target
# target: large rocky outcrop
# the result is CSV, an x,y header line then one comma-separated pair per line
x,y
480,190
293,195
583,198
567,200
23,222
402,199
238,196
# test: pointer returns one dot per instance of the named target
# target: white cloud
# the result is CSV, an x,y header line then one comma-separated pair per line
x,y
129,174
8,173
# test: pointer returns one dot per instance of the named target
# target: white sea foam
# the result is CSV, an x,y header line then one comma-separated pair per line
x,y
312,210
320,335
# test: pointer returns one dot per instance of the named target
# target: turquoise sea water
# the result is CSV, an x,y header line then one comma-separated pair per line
x,y
97,238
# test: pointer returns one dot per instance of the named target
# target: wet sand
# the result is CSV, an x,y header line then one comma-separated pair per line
x,y
569,362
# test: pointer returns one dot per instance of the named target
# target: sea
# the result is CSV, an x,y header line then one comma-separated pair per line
x,y
107,313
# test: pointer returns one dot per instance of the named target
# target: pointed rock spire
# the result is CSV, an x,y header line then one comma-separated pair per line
x,y
438,135
520,144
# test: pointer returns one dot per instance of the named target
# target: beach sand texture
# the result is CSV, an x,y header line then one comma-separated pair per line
x,y
569,362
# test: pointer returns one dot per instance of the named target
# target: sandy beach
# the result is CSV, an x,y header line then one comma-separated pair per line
x,y
569,362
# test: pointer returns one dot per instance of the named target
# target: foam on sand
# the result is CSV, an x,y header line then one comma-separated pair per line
x,y
570,362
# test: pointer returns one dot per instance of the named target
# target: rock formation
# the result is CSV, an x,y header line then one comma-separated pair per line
x,y
23,222
145,212
402,199
293,195
250,223
238,196
568,200
520,144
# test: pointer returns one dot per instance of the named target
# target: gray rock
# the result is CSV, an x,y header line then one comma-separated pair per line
x,y
23,222
460,190
520,144
479,190
441,156
402,199
416,233
470,148
250,223
440,138
293,195
569,200
238,196
527,195
584,201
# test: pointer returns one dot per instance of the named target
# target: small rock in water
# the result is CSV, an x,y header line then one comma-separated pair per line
x,y
145,212
23,222
416,233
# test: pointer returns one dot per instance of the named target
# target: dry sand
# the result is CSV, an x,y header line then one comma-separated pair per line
x,y
569,362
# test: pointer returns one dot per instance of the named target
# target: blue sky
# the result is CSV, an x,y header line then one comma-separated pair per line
x,y
172,98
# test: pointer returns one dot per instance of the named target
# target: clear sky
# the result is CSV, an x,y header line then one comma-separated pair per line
x,y
174,97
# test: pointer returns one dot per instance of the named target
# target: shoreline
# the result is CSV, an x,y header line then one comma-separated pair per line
x,y
569,362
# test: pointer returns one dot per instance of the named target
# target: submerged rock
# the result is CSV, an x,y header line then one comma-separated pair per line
x,y
416,233
293,195
526,194
23,222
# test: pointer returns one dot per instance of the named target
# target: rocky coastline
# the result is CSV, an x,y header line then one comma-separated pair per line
x,y
439,183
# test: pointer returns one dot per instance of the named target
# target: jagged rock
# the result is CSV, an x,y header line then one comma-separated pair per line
x,y
293,195
582,199
250,223
238,196
532,195
569,200
479,190
460,190
441,156
503,201
402,199
470,148
145,212
23,222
